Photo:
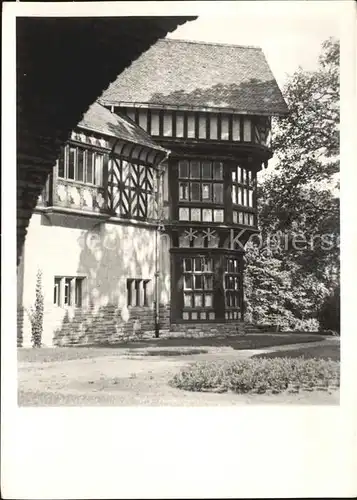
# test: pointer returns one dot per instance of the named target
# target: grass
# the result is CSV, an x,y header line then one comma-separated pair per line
x,y
167,352
260,375
331,352
250,341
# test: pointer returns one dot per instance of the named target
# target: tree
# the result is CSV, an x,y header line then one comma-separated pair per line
x,y
298,201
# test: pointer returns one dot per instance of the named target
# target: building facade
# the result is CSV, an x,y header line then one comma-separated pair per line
x,y
142,225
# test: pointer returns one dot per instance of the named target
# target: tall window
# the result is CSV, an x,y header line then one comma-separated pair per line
x,y
81,164
243,196
232,287
68,291
200,184
198,288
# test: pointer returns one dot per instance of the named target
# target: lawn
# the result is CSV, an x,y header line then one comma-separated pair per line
x,y
252,341
330,351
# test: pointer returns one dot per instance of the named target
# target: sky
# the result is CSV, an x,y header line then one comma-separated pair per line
x,y
289,32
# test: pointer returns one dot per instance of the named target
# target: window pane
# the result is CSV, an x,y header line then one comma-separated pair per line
x,y
213,127
195,191
206,170
187,265
89,165
251,219
183,214
67,291
167,123
202,127
234,193
61,163
217,170
198,282
247,130
155,122
195,169
208,301
208,282
218,215
188,282
179,125
195,214
78,292
207,215
225,127
236,128
239,174
250,198
198,300
98,169
80,170
72,152
187,299
183,168
240,218
183,191
218,193
240,196
235,219
191,125
198,264
57,291
206,192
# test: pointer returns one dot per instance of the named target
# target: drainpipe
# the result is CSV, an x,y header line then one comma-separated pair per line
x,y
159,229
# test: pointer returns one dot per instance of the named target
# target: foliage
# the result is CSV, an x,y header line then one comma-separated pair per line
x,y
36,313
329,314
290,275
259,375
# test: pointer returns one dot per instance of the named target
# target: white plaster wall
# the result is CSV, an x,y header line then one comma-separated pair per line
x,y
105,253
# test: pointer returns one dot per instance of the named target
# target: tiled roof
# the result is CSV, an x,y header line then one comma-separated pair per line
x,y
102,120
200,75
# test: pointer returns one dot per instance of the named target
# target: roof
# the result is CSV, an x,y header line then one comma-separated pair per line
x,y
200,75
102,120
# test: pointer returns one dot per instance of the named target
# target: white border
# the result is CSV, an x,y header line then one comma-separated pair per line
x,y
261,452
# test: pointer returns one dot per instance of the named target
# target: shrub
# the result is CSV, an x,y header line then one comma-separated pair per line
x,y
36,313
259,375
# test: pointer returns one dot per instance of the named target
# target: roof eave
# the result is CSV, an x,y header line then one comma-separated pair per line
x,y
212,109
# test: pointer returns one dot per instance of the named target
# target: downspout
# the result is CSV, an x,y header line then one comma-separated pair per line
x,y
159,229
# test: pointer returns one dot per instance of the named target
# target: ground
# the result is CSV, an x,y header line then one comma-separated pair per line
x,y
138,374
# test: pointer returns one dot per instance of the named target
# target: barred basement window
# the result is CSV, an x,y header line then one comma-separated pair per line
x,y
68,291
137,291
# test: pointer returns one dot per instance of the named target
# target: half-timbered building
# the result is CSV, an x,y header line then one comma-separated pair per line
x,y
145,217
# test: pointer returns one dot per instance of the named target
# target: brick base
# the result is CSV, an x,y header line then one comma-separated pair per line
x,y
233,328
107,325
